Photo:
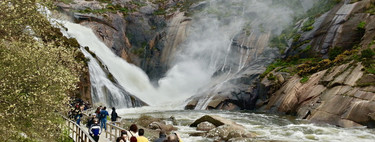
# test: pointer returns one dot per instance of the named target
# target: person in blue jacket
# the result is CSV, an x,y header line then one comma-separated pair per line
x,y
95,130
103,118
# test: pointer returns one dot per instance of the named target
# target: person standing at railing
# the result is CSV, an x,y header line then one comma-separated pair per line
x,y
114,116
79,115
103,118
95,130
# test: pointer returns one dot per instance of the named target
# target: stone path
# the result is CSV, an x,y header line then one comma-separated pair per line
x,y
102,136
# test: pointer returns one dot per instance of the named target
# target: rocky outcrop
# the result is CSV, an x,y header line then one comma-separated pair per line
x,y
330,96
237,90
133,31
84,88
220,128
161,126
215,120
338,27
341,95
205,126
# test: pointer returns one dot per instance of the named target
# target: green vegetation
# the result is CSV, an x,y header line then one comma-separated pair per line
x,y
308,25
367,53
40,69
367,59
281,41
304,79
334,52
306,67
138,51
361,25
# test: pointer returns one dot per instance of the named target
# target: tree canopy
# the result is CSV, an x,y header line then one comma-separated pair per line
x,y
39,70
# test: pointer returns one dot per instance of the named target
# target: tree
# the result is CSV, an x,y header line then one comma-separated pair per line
x,y
39,70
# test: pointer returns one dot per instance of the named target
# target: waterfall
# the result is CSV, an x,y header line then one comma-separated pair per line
x,y
210,48
104,90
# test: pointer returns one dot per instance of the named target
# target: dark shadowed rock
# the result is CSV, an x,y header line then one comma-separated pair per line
x,y
215,120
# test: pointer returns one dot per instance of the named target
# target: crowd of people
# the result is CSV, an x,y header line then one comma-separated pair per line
x,y
97,122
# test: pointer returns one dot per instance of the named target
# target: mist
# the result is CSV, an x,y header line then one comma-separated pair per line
x,y
208,48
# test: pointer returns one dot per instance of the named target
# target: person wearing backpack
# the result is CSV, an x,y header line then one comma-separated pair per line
x,y
133,133
95,130
114,116
103,118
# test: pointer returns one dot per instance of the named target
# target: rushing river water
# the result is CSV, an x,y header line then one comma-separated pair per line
x,y
268,127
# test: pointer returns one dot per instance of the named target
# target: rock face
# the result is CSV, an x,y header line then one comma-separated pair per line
x,y
341,95
330,96
84,88
138,35
238,90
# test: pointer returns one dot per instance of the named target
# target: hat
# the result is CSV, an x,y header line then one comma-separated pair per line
x,y
94,114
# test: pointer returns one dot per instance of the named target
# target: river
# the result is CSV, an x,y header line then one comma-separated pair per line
x,y
268,127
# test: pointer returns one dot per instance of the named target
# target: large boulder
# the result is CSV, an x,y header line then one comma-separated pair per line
x,y
215,120
226,132
205,126
225,129
161,126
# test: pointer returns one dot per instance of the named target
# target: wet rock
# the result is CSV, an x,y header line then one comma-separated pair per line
x,y
198,134
161,126
215,120
205,126
226,132
191,105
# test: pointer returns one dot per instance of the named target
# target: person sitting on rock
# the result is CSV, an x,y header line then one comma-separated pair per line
x,y
141,138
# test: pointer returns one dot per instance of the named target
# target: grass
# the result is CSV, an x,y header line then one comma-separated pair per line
x,y
361,25
308,25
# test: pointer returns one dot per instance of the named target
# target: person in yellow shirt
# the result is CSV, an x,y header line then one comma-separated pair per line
x,y
141,138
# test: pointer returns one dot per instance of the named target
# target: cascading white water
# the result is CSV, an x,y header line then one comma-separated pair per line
x,y
207,49
104,90
132,78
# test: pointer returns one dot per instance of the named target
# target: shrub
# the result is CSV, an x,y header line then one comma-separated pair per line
x,y
367,53
335,51
361,25
304,79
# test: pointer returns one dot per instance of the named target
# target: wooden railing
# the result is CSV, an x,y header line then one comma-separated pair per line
x,y
76,132
112,131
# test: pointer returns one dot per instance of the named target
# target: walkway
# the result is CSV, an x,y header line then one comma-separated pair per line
x,y
102,137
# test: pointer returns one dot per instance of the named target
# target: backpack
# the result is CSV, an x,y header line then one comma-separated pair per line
x,y
132,138
102,115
